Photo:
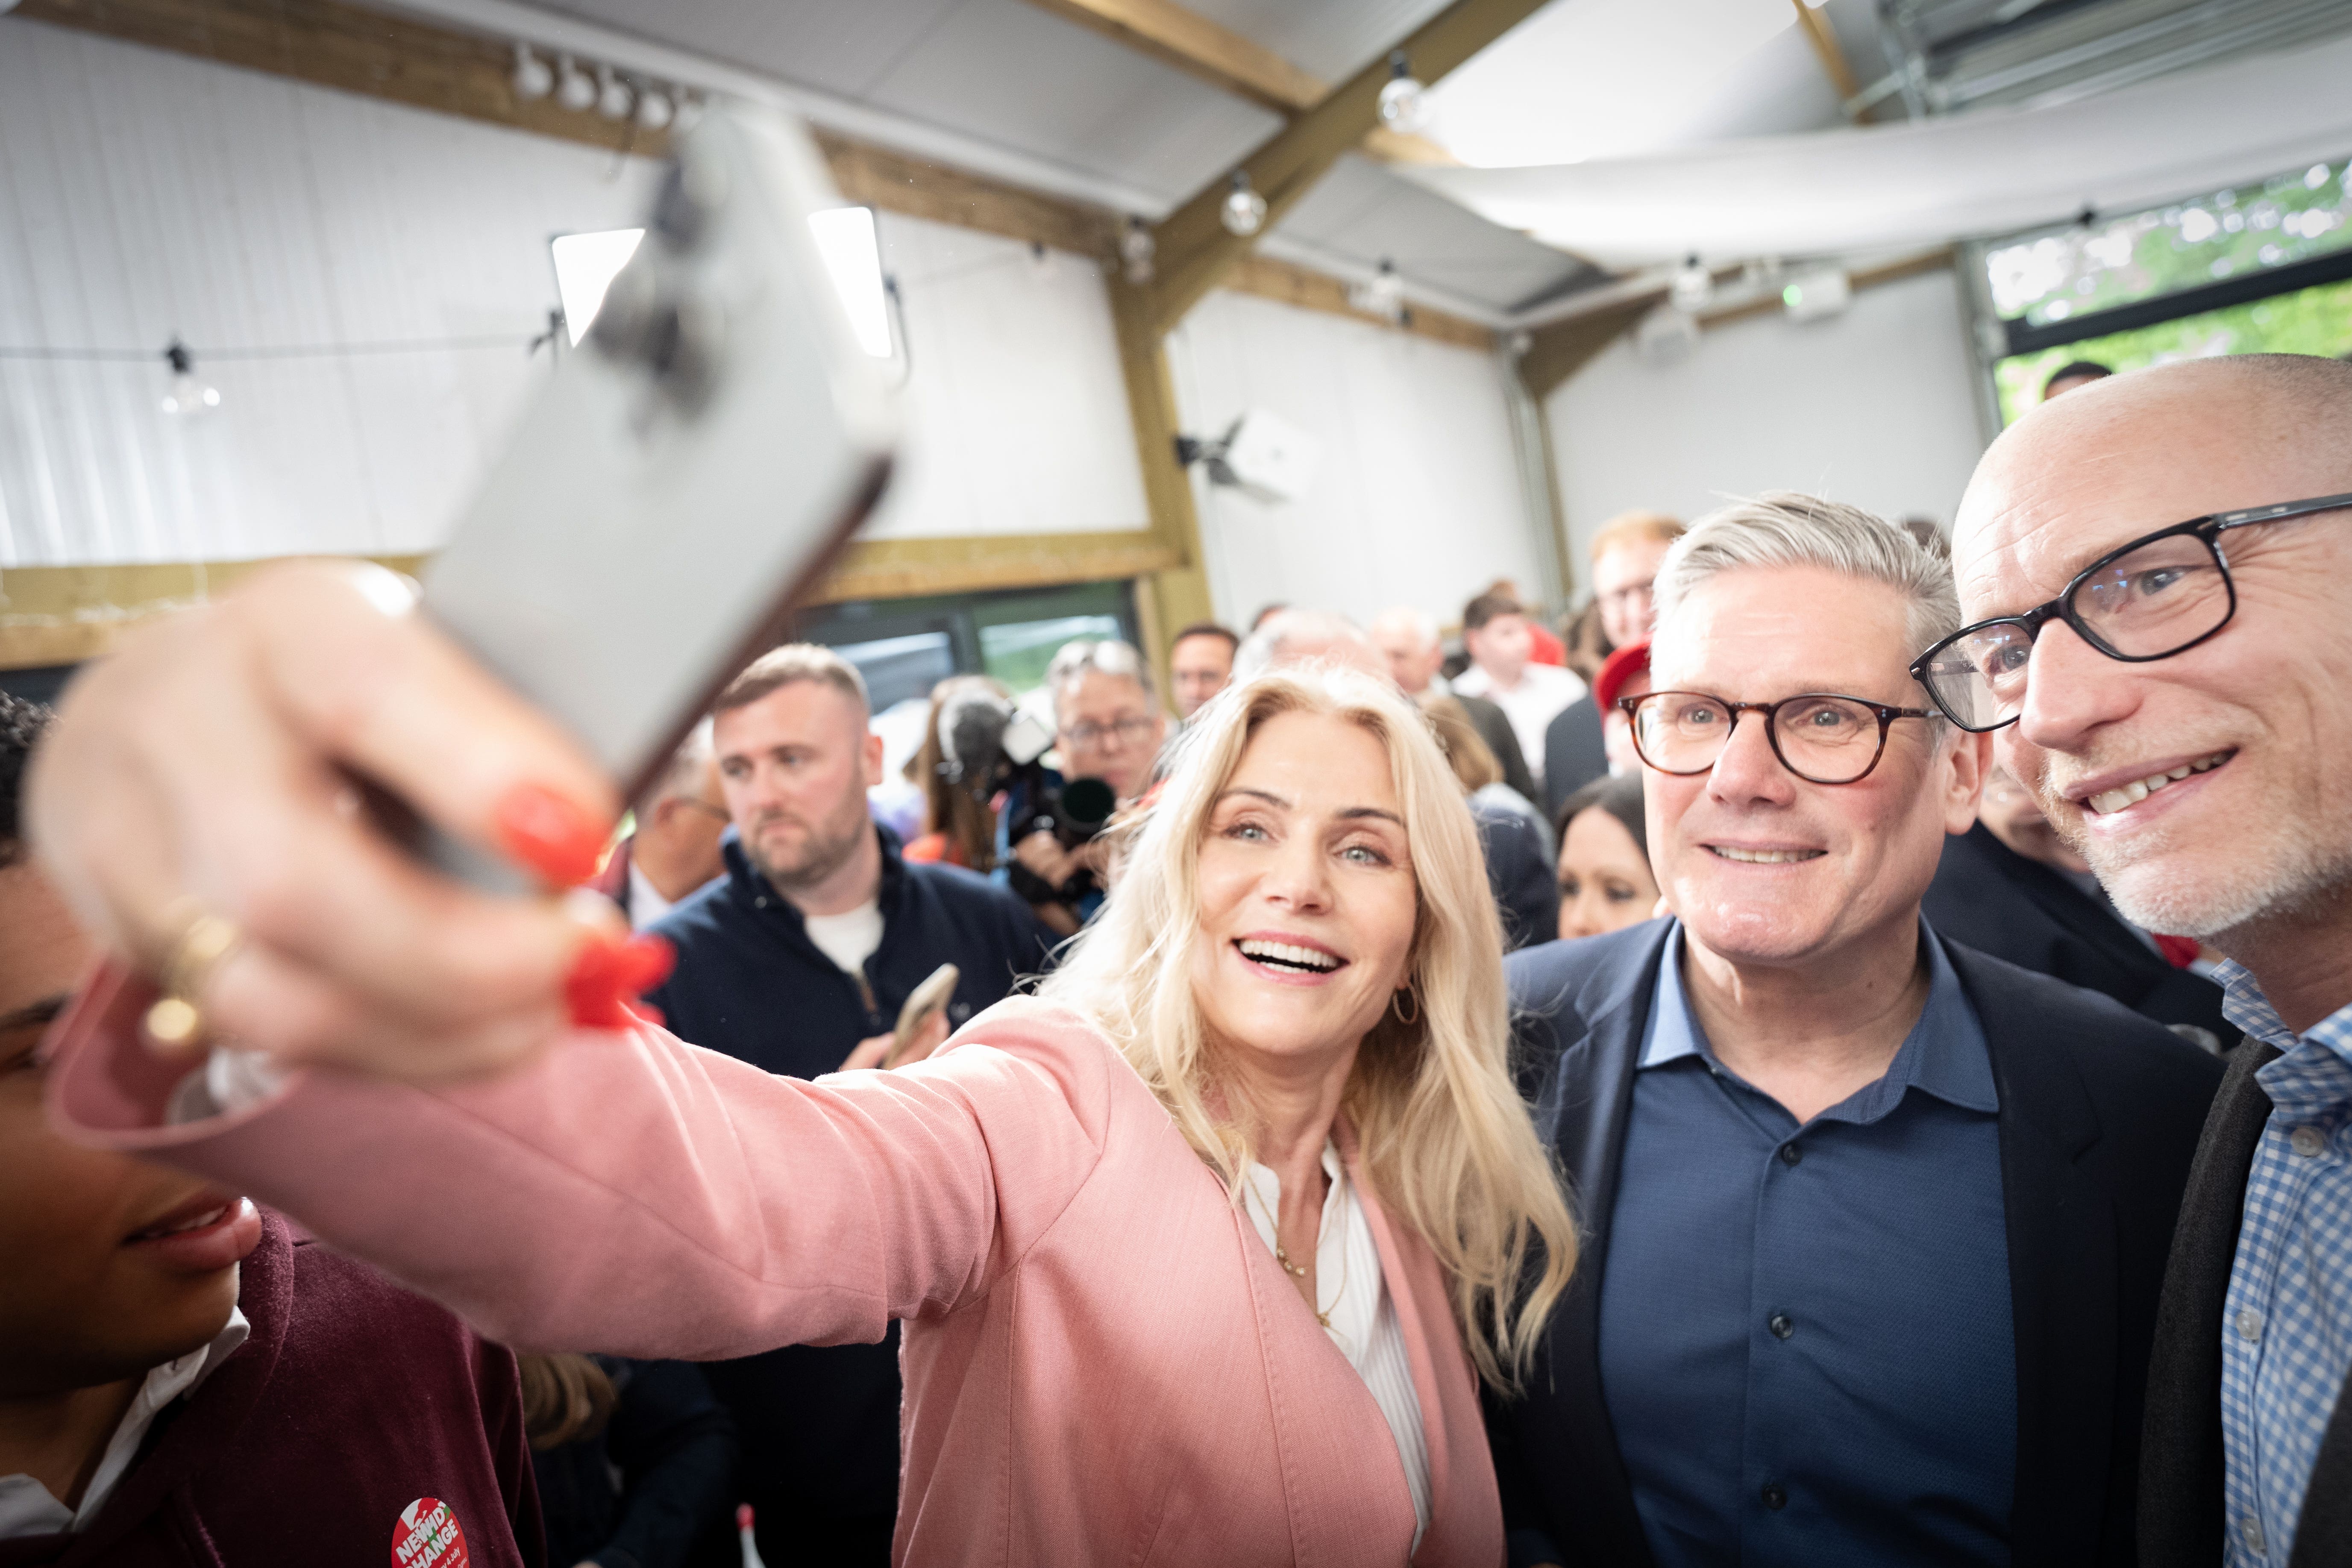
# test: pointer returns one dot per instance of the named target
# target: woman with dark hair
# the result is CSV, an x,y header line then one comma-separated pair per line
x,y
1605,881
957,827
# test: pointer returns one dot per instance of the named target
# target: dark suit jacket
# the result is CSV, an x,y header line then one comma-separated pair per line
x,y
2099,1112
1519,873
2180,1506
1575,753
1988,897
1493,727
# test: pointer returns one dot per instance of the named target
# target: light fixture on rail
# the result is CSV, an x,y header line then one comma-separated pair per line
x,y
655,110
533,76
1404,103
189,394
575,88
616,100
1244,209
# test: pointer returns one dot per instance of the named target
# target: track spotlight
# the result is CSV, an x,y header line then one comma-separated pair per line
x,y
575,88
1137,246
655,110
533,76
616,100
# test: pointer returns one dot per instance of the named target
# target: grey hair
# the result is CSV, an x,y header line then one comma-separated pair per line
x,y
1423,624
1784,528
1277,637
1075,660
682,775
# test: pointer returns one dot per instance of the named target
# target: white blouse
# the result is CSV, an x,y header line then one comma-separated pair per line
x,y
1357,1311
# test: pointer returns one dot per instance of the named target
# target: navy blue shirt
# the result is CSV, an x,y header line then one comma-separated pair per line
x,y
1805,1332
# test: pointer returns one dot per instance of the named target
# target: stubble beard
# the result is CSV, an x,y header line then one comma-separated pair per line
x,y
2161,882
821,855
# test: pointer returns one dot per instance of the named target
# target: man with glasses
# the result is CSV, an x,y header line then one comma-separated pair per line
x,y
1107,725
2154,568
1876,1223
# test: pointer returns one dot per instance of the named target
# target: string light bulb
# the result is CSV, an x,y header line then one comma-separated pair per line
x,y
1137,246
533,76
1382,294
575,88
1244,209
1404,103
188,394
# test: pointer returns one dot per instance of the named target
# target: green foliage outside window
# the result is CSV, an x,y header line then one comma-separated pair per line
x,y
2315,320
2078,269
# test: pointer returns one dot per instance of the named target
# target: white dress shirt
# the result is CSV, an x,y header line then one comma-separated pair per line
x,y
646,904
27,1508
1358,1312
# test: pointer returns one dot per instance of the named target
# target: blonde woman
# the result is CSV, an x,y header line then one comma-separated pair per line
x,y
1201,1253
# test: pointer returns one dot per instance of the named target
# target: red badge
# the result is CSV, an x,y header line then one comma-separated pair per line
x,y
428,1536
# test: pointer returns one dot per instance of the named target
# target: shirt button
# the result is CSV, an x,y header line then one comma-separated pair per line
x,y
1776,1496
760,901
1781,1325
2251,1531
2249,1327
2307,1141
1790,1153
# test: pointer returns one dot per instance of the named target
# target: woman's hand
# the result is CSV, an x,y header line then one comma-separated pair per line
x,y
208,768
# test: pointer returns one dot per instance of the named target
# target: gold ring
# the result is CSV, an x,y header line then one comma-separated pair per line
x,y
175,1020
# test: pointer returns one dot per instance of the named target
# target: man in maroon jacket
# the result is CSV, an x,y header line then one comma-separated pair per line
x,y
182,1380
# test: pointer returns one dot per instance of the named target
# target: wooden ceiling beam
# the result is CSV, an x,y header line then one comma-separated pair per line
x,y
1195,250
1210,52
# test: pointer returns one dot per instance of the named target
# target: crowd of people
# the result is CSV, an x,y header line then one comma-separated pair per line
x,y
1838,1051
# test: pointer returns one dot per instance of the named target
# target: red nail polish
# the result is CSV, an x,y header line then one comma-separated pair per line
x,y
608,975
550,833
591,990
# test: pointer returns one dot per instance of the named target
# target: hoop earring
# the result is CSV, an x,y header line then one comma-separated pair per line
x,y
1395,1006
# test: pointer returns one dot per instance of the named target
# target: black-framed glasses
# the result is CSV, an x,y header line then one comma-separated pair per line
x,y
2160,594
1118,731
1823,737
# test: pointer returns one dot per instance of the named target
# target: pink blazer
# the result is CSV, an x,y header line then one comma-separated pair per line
x,y
1103,1363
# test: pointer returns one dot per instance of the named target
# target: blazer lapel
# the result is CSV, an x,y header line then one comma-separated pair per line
x,y
1583,1113
1463,1504
2181,1505
2062,1282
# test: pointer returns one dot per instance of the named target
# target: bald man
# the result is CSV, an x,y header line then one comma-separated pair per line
x,y
2195,520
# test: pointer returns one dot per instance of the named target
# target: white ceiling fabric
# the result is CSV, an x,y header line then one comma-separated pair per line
x,y
1926,182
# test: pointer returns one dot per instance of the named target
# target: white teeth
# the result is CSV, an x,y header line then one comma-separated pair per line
x,y
1285,952
1764,856
2138,790
198,1223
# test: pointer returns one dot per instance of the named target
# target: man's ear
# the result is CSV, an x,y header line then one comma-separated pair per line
x,y
1970,762
873,759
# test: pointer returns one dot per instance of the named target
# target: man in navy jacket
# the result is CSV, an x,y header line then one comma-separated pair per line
x,y
798,960
1874,1225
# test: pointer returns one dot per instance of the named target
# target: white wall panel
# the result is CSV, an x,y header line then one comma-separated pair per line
x,y
1871,408
1418,501
1017,415
144,195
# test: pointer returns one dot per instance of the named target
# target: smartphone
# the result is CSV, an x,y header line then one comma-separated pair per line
x,y
692,466
935,992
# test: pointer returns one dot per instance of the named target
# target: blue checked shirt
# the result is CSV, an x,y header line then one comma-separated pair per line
x,y
2286,1326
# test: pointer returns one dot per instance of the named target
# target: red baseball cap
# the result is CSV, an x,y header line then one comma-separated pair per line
x,y
1619,668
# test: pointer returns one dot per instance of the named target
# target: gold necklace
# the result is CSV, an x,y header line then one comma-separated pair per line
x,y
1282,1256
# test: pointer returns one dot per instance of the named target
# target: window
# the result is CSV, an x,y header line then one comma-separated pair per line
x,y
903,645
2261,267
585,265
